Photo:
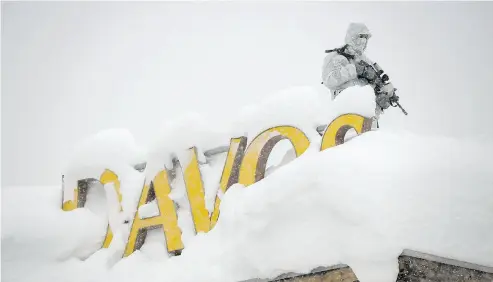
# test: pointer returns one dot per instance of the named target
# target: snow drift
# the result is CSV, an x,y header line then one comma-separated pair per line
x,y
360,203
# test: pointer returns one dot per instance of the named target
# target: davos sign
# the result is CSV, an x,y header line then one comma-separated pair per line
x,y
244,165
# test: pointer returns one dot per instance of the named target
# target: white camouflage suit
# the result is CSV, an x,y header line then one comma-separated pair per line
x,y
339,72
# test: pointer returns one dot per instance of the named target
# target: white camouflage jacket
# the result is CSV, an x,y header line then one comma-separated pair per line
x,y
339,72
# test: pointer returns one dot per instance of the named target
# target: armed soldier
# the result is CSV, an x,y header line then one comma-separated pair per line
x,y
348,66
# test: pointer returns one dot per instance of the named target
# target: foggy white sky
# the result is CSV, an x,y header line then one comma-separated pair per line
x,y
72,69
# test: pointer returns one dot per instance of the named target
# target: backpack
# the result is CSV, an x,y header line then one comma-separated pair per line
x,y
339,51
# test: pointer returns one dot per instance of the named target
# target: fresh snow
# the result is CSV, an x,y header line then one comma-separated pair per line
x,y
113,149
360,203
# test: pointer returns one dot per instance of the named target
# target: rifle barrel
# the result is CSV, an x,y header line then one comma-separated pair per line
x,y
399,105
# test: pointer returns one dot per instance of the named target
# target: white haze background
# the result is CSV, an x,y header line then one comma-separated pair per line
x,y
71,69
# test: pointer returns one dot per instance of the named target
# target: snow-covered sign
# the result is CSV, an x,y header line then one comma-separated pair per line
x,y
244,164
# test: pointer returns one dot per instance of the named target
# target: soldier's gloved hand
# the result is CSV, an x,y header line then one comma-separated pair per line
x,y
365,71
360,69
394,99
383,101
388,89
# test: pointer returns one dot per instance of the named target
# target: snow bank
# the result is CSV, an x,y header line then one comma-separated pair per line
x,y
302,107
180,134
174,141
39,237
360,203
113,149
116,150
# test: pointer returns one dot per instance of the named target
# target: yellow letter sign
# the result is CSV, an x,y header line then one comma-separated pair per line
x,y
243,165
255,161
337,129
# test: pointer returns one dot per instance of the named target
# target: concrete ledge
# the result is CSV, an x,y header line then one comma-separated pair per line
x,y
336,273
452,262
421,267
413,267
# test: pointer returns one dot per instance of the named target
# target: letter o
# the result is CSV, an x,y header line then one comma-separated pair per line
x,y
255,160
337,129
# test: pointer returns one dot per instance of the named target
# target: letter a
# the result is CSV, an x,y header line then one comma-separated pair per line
x,y
167,219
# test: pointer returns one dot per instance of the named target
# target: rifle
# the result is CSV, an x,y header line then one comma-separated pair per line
x,y
394,102
375,76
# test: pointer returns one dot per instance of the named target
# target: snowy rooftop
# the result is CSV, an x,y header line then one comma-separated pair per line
x,y
360,204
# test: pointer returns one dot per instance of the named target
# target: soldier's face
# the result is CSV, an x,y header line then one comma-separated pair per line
x,y
360,43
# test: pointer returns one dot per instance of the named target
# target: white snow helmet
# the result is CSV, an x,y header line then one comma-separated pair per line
x,y
354,35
